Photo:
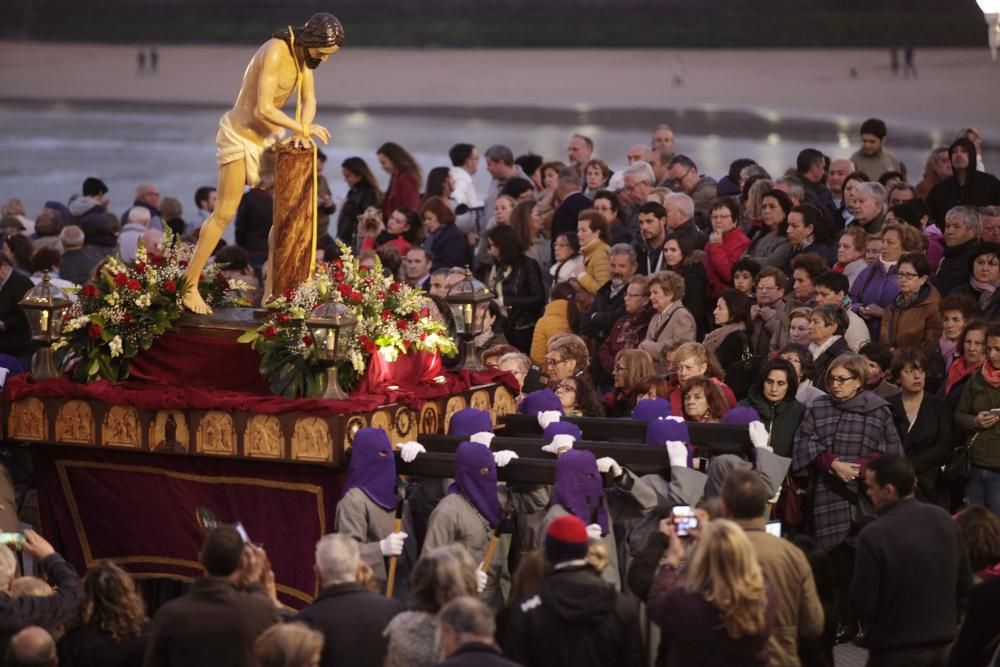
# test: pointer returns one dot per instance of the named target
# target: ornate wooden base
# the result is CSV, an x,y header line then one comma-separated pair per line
x,y
294,437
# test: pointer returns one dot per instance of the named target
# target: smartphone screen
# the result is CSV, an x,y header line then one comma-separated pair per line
x,y
242,531
684,520
773,528
15,540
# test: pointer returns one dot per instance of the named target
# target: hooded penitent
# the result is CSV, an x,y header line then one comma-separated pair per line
x,y
579,488
476,480
650,409
373,467
472,424
542,400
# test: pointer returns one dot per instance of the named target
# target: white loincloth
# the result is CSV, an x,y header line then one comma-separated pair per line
x,y
233,146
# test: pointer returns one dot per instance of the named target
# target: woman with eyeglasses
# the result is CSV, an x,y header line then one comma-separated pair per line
x,y
769,245
876,287
924,421
578,397
567,356
567,258
606,203
726,244
984,279
912,319
630,329
630,367
838,436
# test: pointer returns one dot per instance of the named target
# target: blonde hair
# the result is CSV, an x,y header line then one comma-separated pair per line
x,y
638,364
669,282
855,364
724,570
697,351
288,645
597,555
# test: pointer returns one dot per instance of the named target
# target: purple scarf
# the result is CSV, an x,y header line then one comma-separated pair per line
x,y
373,467
476,479
579,487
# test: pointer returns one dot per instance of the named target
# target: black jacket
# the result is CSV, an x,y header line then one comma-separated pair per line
x,y
980,189
351,619
604,311
953,271
696,298
929,442
89,646
450,248
358,199
254,218
215,624
475,654
574,620
15,337
975,644
910,584
820,365
48,612
523,294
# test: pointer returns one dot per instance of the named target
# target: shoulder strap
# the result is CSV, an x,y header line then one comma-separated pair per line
x,y
664,325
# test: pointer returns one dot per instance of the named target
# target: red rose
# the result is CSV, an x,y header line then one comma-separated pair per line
x,y
338,276
307,340
425,312
289,294
403,325
423,336
395,287
386,315
133,284
270,331
183,263
339,263
282,318
356,297
415,316
156,259
120,279
140,267
367,344
127,319
380,294
95,331
170,287
362,269
344,289
90,292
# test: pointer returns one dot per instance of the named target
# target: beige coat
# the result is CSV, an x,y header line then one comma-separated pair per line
x,y
680,329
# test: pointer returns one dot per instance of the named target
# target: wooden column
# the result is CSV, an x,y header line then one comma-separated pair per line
x,y
291,253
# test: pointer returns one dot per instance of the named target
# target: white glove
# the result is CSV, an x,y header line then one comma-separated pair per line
x,y
777,495
392,545
759,435
548,417
674,418
409,451
504,457
562,442
483,438
481,579
608,464
677,452
594,531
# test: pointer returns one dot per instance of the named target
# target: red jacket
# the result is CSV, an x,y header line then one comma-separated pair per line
x,y
403,191
720,257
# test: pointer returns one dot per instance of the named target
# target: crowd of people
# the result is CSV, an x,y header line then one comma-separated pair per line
x,y
843,312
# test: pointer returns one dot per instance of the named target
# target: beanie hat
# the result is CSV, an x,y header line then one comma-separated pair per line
x,y
566,539
650,409
93,186
740,416
542,400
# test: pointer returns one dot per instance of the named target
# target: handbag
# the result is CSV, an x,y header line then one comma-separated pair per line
x,y
791,505
955,471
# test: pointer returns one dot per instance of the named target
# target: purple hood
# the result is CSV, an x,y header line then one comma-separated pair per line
x,y
373,467
579,487
476,479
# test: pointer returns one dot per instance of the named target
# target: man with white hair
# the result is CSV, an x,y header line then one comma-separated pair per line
x,y
680,219
663,139
147,196
638,153
48,612
638,181
702,189
74,265
350,616
961,235
869,207
466,628
135,226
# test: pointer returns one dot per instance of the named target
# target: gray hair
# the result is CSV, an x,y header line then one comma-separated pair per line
x,y
587,140
969,215
139,215
874,190
642,170
71,237
442,272
519,358
337,558
468,616
500,153
989,212
683,202
623,249
792,185
753,171
569,176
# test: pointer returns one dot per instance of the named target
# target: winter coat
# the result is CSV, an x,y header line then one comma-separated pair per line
x,y
853,431
979,396
352,620
980,189
954,270
825,358
874,286
598,265
449,248
928,441
769,248
914,325
403,190
555,320
875,165
563,271
628,333
992,310
361,518
782,420
574,620
696,298
674,324
720,257
523,296
359,199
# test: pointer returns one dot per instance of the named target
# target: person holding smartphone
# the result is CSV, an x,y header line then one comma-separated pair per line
x,y
978,413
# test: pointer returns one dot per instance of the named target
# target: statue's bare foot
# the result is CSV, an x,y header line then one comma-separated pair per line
x,y
193,302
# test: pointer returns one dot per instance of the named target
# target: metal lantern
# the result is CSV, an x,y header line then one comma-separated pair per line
x,y
44,305
332,328
469,301
991,12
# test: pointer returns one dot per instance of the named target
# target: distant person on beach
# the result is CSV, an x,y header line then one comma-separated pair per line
x,y
283,64
154,61
908,66
140,59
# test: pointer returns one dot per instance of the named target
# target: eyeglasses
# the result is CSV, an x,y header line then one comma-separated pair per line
x,y
553,362
637,296
722,216
834,379
766,288
905,275
619,368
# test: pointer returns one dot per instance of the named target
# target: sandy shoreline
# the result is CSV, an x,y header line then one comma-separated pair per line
x,y
782,87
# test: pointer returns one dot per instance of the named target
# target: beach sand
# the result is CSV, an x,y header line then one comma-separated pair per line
x,y
955,86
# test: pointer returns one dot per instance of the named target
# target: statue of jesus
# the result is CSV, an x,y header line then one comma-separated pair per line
x,y
279,68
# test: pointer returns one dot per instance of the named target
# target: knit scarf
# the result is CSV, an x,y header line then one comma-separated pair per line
x,y
906,300
991,375
959,370
714,338
986,291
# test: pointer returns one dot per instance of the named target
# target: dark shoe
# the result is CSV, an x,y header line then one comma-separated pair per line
x,y
847,632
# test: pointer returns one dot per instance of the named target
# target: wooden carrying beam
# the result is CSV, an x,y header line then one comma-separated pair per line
x,y
518,471
292,251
